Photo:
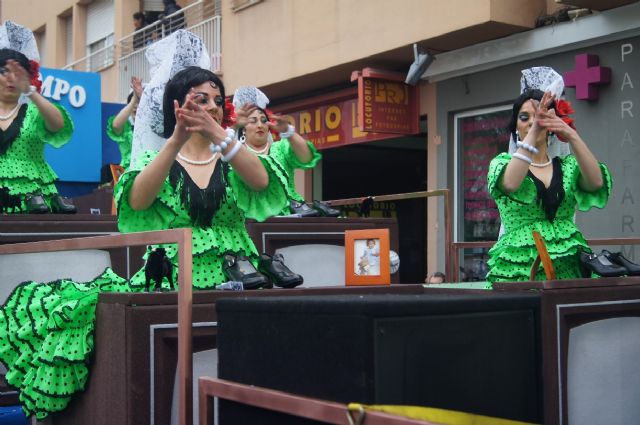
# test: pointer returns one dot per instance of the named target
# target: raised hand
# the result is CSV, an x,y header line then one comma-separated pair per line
x,y
21,78
180,132
198,120
242,115
278,123
553,123
136,85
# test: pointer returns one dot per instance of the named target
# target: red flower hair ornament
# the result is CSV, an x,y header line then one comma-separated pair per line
x,y
563,110
229,114
35,75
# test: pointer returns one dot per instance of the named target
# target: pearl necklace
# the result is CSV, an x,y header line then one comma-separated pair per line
x,y
261,151
10,114
542,165
193,162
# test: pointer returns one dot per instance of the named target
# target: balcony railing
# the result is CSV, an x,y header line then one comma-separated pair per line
x,y
201,18
95,62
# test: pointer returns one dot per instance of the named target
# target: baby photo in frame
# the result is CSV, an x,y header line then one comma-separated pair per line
x,y
367,257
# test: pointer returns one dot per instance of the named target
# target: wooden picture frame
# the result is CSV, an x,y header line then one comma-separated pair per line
x,y
366,257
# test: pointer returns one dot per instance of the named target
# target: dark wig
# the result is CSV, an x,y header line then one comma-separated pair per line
x,y
177,89
526,95
8,54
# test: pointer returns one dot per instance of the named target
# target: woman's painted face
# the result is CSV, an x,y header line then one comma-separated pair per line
x,y
257,130
526,116
209,97
8,83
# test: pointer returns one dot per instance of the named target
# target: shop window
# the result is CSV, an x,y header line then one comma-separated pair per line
x,y
480,135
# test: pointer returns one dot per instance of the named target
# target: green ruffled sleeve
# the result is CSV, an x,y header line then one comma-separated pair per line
x,y
587,200
123,140
285,153
526,193
263,204
61,136
158,216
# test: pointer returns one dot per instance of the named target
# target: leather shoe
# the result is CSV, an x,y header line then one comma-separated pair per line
x,y
62,205
325,210
276,270
302,208
632,268
35,203
601,265
238,268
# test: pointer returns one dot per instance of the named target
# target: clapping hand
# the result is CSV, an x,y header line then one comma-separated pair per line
x,y
242,115
278,123
553,123
136,86
20,78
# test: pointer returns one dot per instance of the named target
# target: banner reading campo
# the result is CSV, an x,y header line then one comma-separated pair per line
x,y
79,92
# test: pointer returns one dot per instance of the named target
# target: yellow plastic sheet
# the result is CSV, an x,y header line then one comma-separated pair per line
x,y
440,416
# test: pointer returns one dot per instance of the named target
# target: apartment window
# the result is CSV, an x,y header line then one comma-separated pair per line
x,y
100,24
238,5
100,53
68,42
40,36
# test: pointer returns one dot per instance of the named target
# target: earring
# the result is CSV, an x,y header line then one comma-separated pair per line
x,y
242,138
517,136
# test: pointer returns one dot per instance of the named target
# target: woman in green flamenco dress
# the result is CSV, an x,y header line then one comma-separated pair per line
x,y
536,188
200,177
290,153
26,179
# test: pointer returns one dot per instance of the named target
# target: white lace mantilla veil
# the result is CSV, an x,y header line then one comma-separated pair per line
x,y
21,39
542,78
166,58
248,94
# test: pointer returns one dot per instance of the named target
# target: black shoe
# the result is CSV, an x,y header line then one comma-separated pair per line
x,y
35,204
600,265
62,205
633,269
302,208
325,210
239,268
279,274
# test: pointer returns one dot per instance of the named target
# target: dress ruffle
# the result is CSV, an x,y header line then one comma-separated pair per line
x,y
285,162
266,203
123,140
47,339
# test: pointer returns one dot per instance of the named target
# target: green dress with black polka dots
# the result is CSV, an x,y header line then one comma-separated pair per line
x,y
123,140
23,168
222,230
47,328
284,162
523,211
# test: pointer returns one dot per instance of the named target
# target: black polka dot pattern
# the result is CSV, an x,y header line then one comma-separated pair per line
x,y
23,168
512,256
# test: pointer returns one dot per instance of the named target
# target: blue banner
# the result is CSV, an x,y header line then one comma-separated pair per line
x,y
80,93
